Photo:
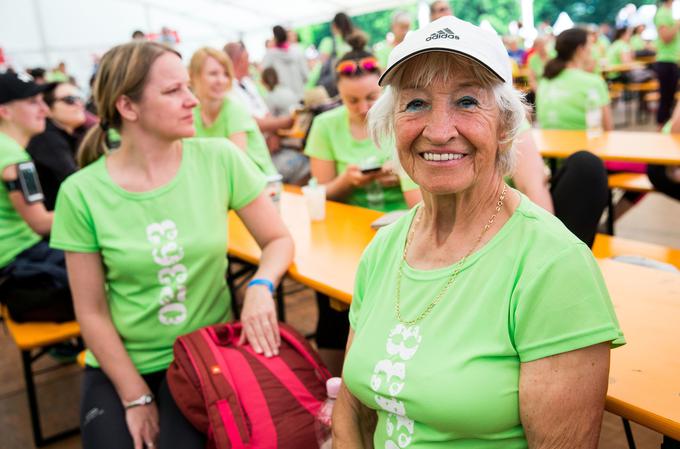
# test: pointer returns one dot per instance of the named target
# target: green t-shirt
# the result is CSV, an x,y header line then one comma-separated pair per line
x,y
615,51
666,52
637,43
163,250
15,234
234,118
382,52
452,380
341,47
561,102
536,65
330,139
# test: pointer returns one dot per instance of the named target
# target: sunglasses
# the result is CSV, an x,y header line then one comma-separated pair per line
x,y
353,67
70,99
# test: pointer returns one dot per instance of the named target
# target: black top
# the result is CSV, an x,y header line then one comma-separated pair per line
x,y
54,154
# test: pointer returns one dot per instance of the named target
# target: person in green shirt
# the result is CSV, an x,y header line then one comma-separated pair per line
x,y
567,92
218,115
401,24
342,156
331,48
34,271
462,332
620,51
144,228
666,66
637,42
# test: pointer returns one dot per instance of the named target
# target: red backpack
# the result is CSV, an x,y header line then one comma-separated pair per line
x,y
243,400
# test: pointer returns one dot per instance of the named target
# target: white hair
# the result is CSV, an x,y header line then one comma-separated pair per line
x,y
422,70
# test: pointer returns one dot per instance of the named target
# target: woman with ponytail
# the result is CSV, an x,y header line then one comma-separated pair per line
x,y
567,91
144,230
345,159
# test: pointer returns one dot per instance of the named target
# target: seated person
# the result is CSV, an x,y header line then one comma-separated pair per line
x,y
218,115
35,274
666,178
342,155
144,229
54,150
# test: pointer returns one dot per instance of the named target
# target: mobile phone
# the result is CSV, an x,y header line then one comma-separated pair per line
x,y
370,169
29,182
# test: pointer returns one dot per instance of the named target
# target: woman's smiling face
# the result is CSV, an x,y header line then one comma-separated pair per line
x,y
447,132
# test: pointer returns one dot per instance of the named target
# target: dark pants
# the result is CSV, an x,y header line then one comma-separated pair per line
x,y
102,416
37,285
333,326
580,193
667,74
662,183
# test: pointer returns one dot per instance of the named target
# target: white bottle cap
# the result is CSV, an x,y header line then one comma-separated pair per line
x,y
333,387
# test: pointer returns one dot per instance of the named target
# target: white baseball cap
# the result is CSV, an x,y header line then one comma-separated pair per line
x,y
450,34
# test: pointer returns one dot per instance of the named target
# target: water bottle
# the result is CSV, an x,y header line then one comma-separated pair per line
x,y
375,196
323,418
593,116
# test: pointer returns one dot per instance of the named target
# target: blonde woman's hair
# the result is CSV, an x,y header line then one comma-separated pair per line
x,y
123,70
422,71
198,60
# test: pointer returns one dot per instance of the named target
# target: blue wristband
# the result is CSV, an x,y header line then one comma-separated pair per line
x,y
262,281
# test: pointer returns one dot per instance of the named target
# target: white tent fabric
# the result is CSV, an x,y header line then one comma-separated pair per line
x,y
45,32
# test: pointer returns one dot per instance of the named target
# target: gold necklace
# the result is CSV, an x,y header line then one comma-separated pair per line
x,y
453,275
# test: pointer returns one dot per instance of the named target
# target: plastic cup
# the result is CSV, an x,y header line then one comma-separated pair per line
x,y
315,197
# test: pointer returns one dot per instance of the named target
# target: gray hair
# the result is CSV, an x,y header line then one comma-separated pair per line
x,y
422,70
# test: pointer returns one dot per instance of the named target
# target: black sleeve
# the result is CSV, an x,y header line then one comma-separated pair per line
x,y
54,154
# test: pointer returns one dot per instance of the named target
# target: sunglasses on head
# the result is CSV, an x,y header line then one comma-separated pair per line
x,y
352,67
70,99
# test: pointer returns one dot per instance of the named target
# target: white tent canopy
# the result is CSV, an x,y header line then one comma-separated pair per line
x,y
44,32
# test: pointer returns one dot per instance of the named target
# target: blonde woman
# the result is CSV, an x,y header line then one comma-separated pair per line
x,y
144,230
218,115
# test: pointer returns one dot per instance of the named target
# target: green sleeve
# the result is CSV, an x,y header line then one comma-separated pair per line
x,y
73,228
602,91
319,143
564,307
13,158
326,45
664,18
246,181
237,118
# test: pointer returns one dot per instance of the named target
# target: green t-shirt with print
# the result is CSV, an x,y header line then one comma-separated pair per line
x,y
452,379
163,250
330,139
562,102
15,234
666,52
234,118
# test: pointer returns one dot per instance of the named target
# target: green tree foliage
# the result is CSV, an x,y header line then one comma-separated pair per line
x,y
584,11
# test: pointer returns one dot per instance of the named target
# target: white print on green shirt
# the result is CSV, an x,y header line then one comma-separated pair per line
x,y
388,380
168,253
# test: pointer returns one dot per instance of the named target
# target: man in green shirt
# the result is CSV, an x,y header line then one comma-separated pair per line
x,y
401,24
667,50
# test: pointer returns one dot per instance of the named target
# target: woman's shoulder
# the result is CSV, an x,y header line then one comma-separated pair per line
x,y
543,231
332,116
390,238
209,148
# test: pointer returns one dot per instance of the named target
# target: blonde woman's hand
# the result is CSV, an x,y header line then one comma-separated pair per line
x,y
142,422
260,325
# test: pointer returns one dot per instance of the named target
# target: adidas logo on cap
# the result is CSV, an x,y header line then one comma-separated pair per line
x,y
444,33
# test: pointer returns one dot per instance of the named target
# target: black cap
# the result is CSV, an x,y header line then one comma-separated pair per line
x,y
15,86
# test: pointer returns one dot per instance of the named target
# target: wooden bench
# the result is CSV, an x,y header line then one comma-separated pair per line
x,y
606,246
33,340
630,182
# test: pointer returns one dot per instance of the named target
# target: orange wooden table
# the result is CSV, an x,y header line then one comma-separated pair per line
x,y
645,374
632,146
644,380
326,252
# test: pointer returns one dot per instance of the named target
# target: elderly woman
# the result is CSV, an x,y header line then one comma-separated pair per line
x,y
462,331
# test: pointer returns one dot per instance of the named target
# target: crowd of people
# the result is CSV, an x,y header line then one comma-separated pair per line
x,y
100,206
